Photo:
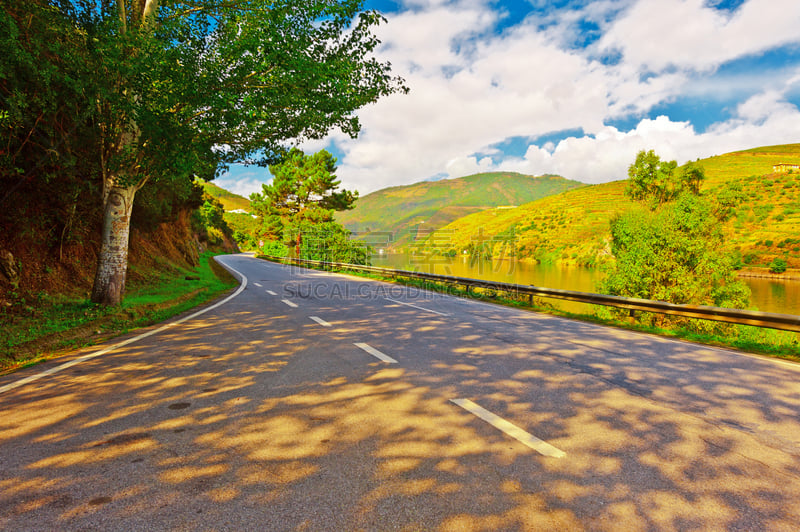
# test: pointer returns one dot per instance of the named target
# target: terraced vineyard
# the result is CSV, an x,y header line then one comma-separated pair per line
x,y
572,227
402,211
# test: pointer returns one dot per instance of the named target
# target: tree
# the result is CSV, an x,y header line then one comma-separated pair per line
x,y
329,241
673,251
299,204
47,138
181,88
303,187
656,181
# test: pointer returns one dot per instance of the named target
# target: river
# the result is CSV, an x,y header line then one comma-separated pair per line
x,y
769,295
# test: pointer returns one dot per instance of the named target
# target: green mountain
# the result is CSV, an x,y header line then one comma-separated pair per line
x,y
229,200
573,227
404,210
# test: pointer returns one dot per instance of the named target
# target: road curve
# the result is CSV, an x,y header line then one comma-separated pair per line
x,y
316,401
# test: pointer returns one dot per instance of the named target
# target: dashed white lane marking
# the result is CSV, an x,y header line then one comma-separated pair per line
x,y
415,306
374,352
320,321
509,428
110,348
289,303
270,292
258,285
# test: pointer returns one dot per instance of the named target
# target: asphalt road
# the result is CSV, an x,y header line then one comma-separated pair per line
x,y
312,401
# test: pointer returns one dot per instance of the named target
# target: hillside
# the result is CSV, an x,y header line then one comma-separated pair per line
x,y
229,200
572,227
401,210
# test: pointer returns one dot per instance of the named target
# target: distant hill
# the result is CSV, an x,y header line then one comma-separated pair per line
x,y
229,200
573,227
429,205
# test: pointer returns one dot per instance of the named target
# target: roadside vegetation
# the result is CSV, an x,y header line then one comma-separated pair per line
x,y
41,326
113,117
295,212
669,247
111,106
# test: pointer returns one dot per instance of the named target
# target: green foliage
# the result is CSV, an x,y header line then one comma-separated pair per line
x,y
296,210
304,186
48,162
778,265
243,228
162,202
328,241
671,252
272,248
209,222
656,182
729,197
96,98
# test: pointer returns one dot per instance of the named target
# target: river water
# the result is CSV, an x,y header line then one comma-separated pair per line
x,y
769,295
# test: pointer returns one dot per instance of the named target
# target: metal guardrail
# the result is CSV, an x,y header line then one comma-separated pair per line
x,y
770,320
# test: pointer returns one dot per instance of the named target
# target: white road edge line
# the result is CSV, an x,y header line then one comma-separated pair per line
x,y
293,305
415,306
320,321
509,428
110,348
374,352
270,292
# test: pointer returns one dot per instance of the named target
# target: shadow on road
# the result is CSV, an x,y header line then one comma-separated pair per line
x,y
241,421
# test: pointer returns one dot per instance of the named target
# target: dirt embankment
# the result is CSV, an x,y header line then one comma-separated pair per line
x,y
68,268
788,275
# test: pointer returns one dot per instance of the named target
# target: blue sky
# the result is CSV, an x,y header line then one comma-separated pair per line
x,y
569,87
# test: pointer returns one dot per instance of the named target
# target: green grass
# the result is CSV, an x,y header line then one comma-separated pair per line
x,y
33,330
758,340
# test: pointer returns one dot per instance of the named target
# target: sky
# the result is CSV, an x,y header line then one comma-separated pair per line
x,y
567,87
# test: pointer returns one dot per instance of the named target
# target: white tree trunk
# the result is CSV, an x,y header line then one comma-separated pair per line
x,y
109,281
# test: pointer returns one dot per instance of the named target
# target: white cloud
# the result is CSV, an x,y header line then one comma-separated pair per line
x,y
243,180
472,87
605,156
656,34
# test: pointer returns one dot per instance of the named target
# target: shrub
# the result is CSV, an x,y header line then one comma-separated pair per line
x,y
215,236
778,265
274,249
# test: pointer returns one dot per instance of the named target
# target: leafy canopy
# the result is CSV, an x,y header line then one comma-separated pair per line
x,y
297,207
655,181
669,248
304,186
112,95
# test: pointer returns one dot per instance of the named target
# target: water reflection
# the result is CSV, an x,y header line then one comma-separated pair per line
x,y
769,295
